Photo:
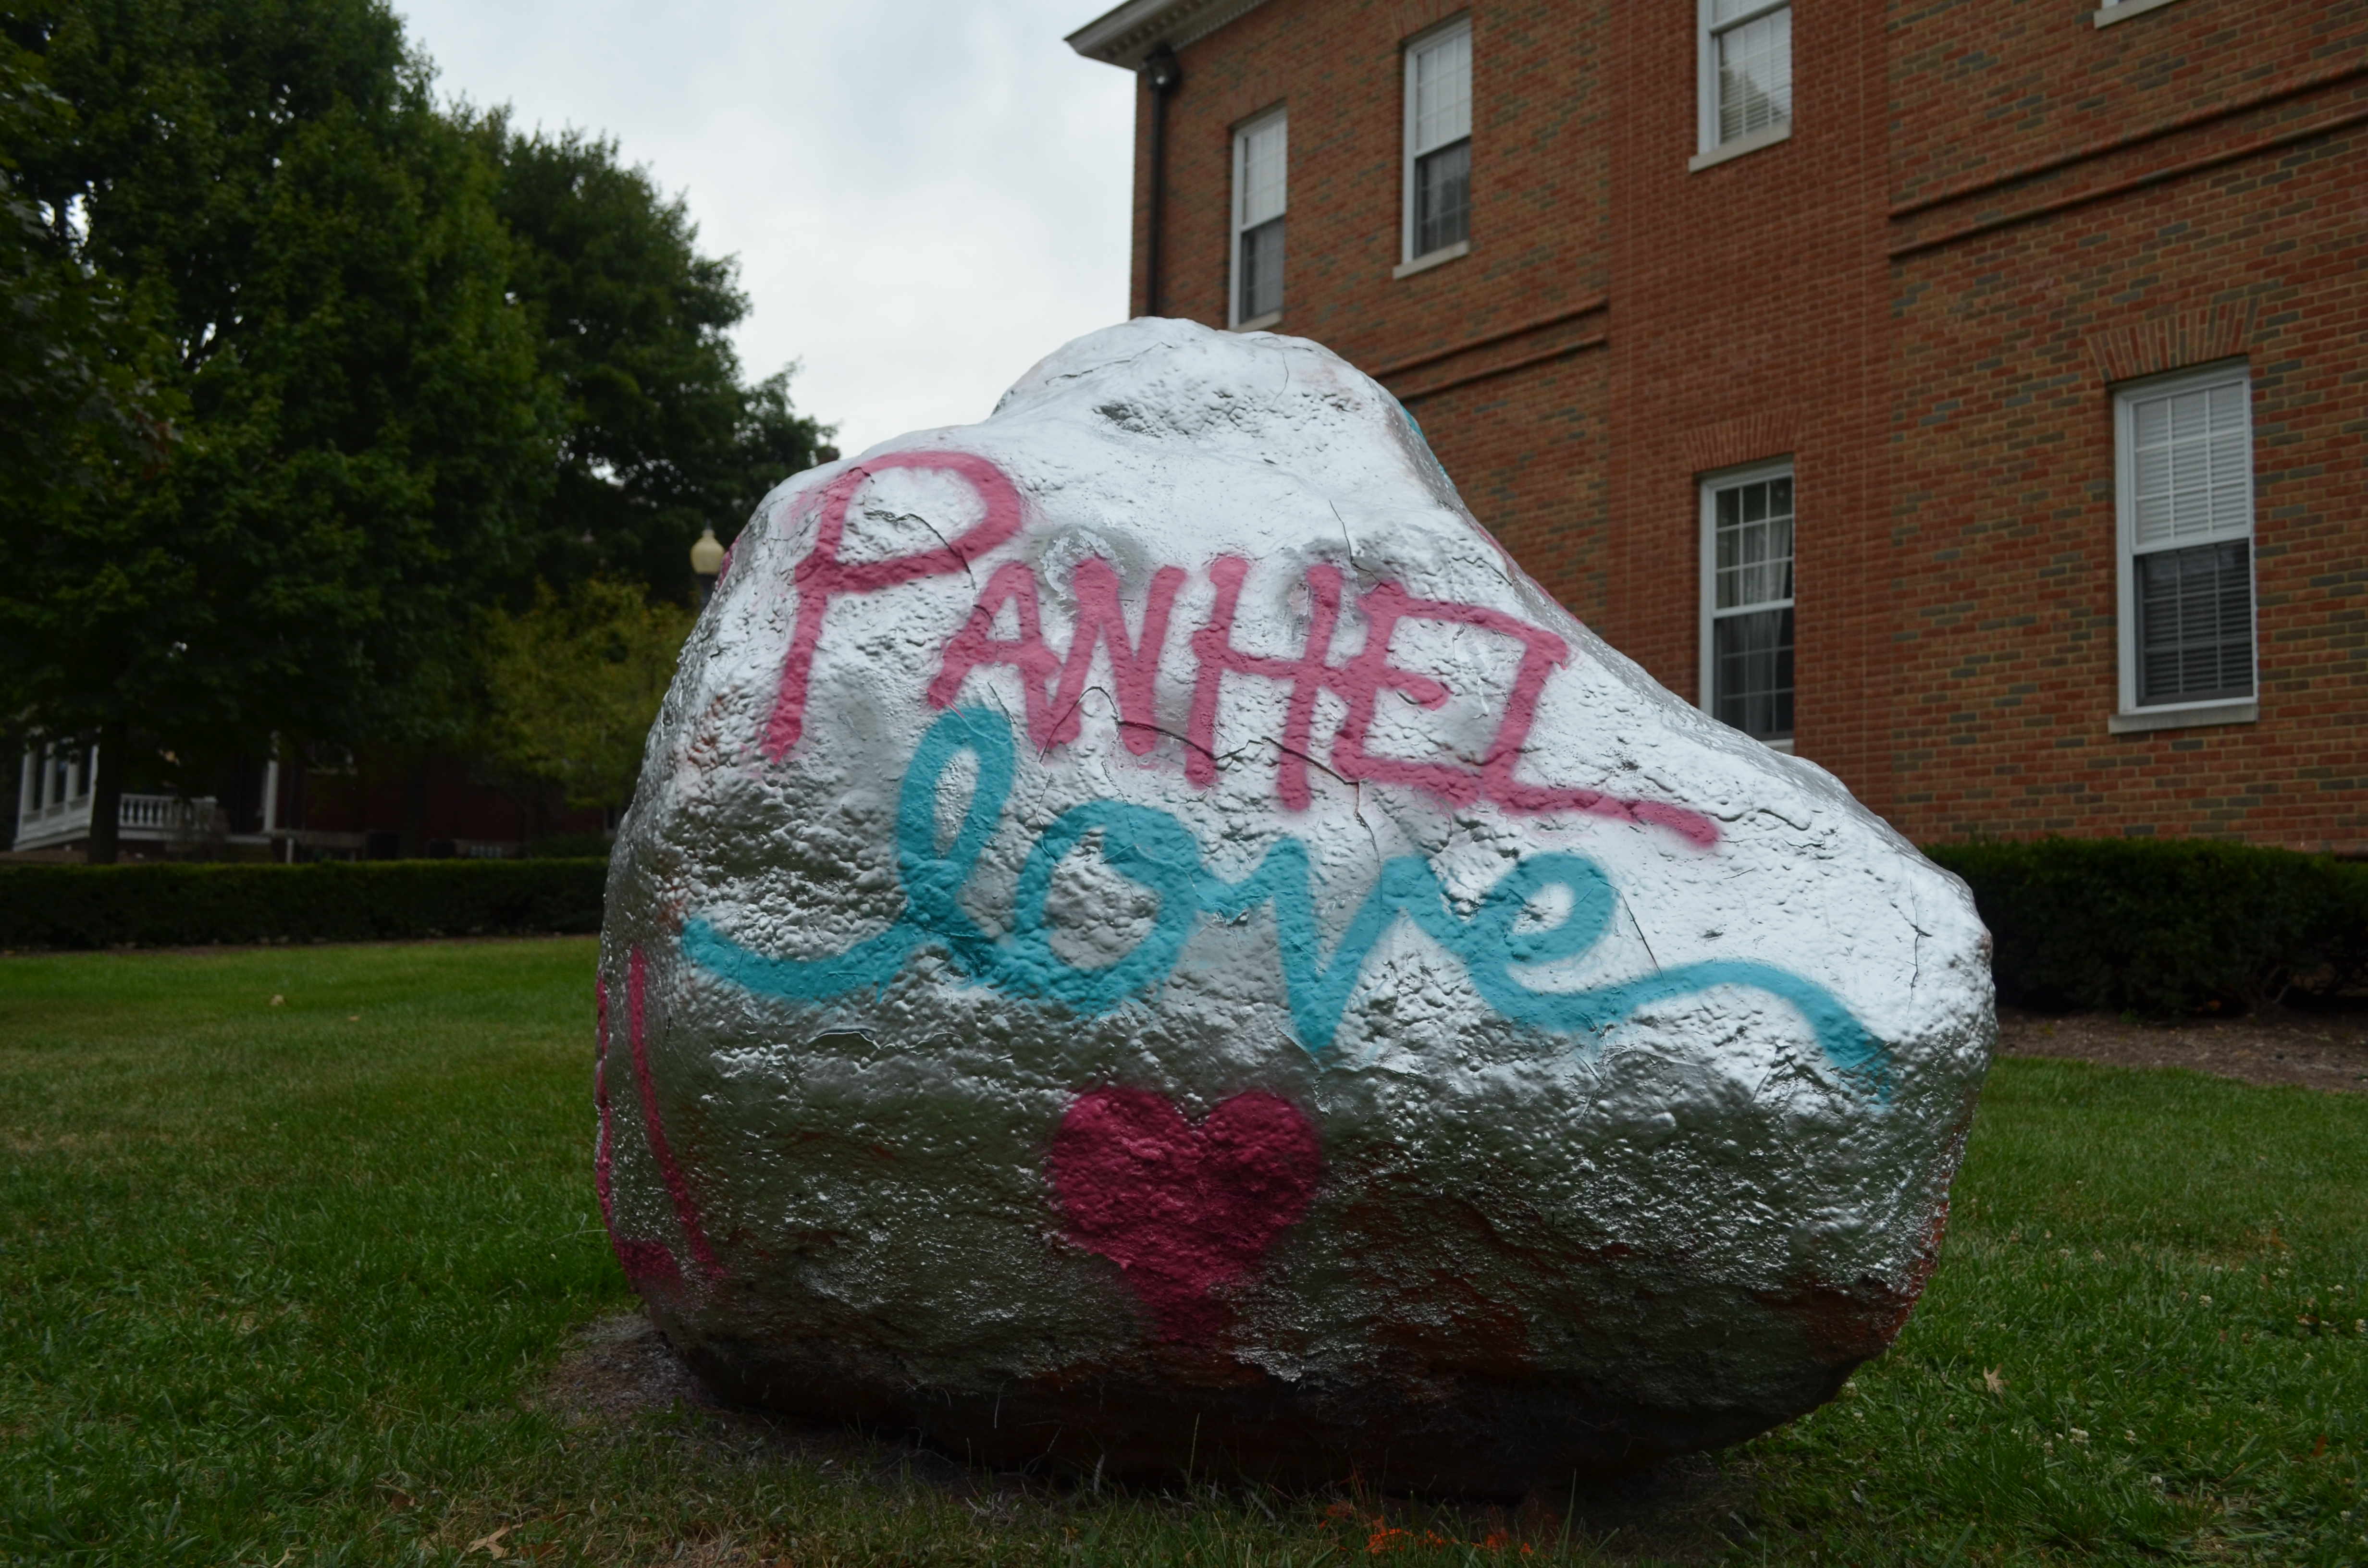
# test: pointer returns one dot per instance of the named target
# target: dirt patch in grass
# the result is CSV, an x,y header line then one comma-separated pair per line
x,y
2277,1045
621,1366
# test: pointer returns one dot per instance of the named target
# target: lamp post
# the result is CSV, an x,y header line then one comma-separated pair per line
x,y
707,560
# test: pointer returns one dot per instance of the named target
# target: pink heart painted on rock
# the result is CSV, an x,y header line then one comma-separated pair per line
x,y
1180,1208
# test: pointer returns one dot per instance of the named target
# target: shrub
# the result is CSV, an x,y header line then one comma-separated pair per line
x,y
2164,927
571,846
175,905
2160,926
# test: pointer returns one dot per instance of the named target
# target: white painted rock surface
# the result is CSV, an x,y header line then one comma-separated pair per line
x,y
1144,937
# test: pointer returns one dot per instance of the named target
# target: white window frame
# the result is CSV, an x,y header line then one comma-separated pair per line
x,y
2208,711
1708,148
1707,488
1280,114
1409,262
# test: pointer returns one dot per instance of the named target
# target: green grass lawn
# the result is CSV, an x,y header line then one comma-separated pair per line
x,y
273,1279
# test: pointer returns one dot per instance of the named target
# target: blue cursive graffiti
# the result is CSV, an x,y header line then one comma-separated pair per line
x,y
1154,850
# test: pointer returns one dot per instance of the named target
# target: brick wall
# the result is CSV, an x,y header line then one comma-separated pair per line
x,y
1526,446
1747,322
1988,213
2007,344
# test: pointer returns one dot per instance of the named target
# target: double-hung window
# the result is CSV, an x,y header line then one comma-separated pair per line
x,y
1262,184
1747,621
2184,484
1747,70
1439,141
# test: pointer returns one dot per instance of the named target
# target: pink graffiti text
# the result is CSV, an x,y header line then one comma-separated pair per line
x,y
821,576
645,1262
1054,683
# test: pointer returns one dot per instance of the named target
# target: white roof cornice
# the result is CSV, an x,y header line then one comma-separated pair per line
x,y
1124,36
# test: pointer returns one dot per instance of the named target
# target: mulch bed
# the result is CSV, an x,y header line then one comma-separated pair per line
x,y
2277,1045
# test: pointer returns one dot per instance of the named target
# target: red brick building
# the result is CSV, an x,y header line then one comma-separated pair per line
x,y
1971,394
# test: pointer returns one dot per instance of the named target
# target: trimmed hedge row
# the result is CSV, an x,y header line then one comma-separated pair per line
x,y
182,906
2165,926
2160,926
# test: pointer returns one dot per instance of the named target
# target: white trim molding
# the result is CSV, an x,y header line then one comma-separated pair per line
x,y
2192,717
1123,36
2113,11
1780,131
1425,263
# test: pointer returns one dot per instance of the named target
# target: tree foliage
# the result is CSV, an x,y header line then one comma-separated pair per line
x,y
304,373
79,406
366,436
573,683
664,436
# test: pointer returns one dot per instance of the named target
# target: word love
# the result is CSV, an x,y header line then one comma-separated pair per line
x,y
1054,685
1152,847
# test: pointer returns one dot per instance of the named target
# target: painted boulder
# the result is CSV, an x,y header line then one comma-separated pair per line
x,y
1144,941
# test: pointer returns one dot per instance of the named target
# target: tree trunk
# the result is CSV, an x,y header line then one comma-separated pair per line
x,y
412,840
106,799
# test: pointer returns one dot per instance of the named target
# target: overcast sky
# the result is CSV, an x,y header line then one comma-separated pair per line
x,y
926,197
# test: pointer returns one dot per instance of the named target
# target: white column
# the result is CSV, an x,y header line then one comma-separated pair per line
x,y
27,787
271,791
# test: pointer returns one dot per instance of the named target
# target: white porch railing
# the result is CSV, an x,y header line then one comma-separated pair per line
x,y
141,819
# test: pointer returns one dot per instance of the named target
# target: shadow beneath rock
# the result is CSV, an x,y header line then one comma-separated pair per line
x,y
617,1371
1687,1509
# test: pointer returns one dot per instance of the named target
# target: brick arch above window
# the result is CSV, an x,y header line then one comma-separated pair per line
x,y
1420,15
2173,342
1732,442
1259,92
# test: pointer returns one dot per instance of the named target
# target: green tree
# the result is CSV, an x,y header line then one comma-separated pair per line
x,y
78,401
663,436
80,414
367,436
304,373
573,685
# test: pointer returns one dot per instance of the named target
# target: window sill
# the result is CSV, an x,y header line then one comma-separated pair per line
x,y
2140,721
1435,259
1757,140
2108,14
1257,323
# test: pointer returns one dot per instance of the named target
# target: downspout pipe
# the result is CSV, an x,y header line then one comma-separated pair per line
x,y
1163,74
